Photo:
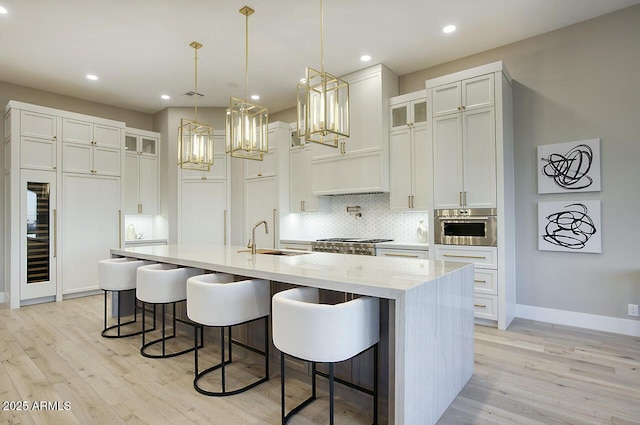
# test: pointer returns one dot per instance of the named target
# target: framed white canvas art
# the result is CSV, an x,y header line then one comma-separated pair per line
x,y
569,226
569,167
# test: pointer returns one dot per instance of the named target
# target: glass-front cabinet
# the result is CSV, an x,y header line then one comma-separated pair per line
x,y
409,111
39,234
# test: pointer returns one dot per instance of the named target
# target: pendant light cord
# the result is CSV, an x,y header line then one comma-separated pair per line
x,y
321,38
246,57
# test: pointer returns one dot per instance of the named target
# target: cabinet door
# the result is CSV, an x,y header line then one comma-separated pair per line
x,y
477,92
418,112
261,203
399,116
33,124
421,167
447,161
480,158
131,183
77,158
76,131
312,203
265,168
365,96
106,161
400,169
90,228
130,144
149,187
297,179
38,243
104,135
148,146
446,99
37,153
202,211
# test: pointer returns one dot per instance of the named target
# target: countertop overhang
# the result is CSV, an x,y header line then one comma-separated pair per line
x,y
382,277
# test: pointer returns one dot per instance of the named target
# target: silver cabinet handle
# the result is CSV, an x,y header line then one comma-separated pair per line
x,y
464,218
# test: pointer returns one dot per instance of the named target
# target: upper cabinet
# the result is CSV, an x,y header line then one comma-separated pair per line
x,y
409,152
461,96
38,141
464,144
301,197
141,172
90,148
361,162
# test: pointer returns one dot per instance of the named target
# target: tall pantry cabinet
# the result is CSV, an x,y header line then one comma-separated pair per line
x,y
472,143
63,196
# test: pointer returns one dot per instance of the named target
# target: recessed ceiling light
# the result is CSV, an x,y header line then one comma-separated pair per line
x,y
2,10
255,97
449,29
365,58
165,96
92,77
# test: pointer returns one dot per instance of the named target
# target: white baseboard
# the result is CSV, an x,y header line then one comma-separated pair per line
x,y
579,320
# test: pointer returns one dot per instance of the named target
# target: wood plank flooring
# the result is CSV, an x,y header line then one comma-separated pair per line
x,y
532,374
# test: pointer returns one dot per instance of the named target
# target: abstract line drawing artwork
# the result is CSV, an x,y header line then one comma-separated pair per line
x,y
569,226
569,167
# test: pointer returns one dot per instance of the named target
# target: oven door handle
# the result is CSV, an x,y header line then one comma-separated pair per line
x,y
463,218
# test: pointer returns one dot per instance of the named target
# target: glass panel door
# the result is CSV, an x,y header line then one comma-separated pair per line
x,y
39,234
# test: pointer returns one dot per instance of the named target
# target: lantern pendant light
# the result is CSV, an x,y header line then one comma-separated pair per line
x,y
323,103
247,122
195,139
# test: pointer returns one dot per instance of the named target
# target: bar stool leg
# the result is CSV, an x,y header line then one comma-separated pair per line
x,y
375,384
105,309
222,356
164,339
331,393
282,415
119,307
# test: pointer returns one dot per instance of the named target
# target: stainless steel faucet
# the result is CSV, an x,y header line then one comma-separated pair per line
x,y
252,241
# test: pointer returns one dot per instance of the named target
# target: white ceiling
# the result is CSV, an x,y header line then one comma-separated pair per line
x,y
140,48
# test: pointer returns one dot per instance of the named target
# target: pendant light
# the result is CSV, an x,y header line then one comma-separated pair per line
x,y
323,103
195,139
247,122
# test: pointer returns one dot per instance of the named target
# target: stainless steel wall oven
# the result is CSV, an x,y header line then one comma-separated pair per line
x,y
471,226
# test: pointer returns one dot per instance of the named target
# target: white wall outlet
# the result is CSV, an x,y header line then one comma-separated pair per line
x,y
633,310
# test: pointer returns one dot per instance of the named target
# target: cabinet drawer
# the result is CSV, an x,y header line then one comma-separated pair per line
x,y
296,246
485,281
402,253
485,307
483,257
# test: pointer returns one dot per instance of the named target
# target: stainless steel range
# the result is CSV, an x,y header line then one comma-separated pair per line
x,y
357,246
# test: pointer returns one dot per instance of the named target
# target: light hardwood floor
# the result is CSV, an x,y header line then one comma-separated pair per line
x,y
532,374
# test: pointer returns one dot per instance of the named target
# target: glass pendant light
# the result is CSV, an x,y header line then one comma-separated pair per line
x,y
323,103
247,122
195,139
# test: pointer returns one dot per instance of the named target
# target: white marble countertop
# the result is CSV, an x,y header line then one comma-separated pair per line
x,y
382,277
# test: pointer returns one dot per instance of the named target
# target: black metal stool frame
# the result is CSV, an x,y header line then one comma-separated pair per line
x,y
285,417
162,340
119,324
224,361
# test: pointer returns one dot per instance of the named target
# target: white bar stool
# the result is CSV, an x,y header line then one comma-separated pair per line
x,y
119,275
323,333
163,284
216,300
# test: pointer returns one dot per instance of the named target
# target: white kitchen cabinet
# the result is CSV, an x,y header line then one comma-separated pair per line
x,y
464,159
466,95
203,211
204,200
472,144
409,153
266,196
261,203
38,141
53,248
141,172
301,197
403,253
91,222
361,163
90,148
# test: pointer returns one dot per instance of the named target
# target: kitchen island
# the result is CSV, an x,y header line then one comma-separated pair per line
x,y
430,311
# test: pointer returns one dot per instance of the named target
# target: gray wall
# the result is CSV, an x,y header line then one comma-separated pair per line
x,y
579,82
